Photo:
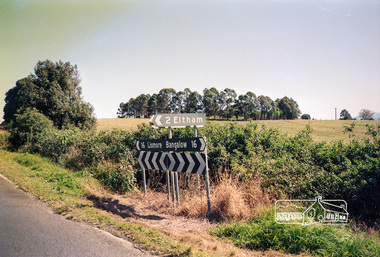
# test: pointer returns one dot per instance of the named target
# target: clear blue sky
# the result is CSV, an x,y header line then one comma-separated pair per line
x,y
325,54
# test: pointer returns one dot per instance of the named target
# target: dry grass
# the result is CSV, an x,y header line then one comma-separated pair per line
x,y
123,124
3,130
189,222
230,199
323,130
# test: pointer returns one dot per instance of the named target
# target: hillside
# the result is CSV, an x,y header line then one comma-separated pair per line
x,y
323,130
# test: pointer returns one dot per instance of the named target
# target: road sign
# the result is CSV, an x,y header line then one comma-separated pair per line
x,y
153,160
179,162
180,120
195,144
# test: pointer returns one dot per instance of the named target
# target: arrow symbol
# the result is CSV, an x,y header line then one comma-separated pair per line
x,y
158,120
141,157
181,161
202,163
138,145
203,144
190,162
162,161
171,162
155,165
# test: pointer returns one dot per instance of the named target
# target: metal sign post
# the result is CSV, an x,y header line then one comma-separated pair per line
x,y
207,186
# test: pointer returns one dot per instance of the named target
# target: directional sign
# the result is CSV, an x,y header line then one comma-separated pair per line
x,y
179,162
180,120
195,144
153,160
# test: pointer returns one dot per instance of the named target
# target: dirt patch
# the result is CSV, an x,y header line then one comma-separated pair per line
x,y
154,211
3,130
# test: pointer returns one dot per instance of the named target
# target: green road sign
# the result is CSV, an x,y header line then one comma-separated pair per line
x,y
180,120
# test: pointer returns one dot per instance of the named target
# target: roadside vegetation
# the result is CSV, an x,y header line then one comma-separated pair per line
x,y
250,167
263,233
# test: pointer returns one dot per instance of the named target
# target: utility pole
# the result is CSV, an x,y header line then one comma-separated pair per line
x,y
335,114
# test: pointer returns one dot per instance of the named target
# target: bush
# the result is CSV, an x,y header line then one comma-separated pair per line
x,y
26,126
4,140
117,177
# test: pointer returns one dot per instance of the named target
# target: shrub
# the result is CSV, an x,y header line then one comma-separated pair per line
x,y
117,177
4,141
318,240
27,125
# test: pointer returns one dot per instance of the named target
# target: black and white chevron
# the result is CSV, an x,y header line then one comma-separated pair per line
x,y
153,160
179,162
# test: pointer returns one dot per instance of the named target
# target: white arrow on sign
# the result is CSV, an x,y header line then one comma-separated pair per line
x,y
158,120
202,164
138,145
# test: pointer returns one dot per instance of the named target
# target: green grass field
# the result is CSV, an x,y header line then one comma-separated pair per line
x,y
324,130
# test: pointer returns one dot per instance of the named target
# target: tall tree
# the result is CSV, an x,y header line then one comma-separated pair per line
x,y
54,91
247,106
194,102
242,107
152,105
289,108
126,110
268,107
210,101
366,114
230,102
164,99
345,115
140,104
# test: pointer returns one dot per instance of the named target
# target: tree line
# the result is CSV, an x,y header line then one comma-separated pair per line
x,y
225,104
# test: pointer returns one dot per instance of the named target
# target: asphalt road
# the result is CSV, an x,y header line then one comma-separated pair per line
x,y
30,228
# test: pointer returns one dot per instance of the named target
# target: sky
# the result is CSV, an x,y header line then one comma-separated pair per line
x,y
325,54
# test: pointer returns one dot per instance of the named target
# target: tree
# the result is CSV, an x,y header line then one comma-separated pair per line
x,y
125,110
230,99
194,103
345,115
164,99
210,101
247,105
140,104
54,91
366,114
268,107
305,116
152,105
289,108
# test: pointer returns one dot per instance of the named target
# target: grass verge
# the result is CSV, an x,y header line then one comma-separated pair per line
x,y
66,192
317,240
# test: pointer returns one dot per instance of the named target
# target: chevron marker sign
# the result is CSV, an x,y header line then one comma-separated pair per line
x,y
179,162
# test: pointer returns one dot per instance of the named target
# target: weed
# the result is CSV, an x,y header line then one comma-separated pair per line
x,y
319,240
